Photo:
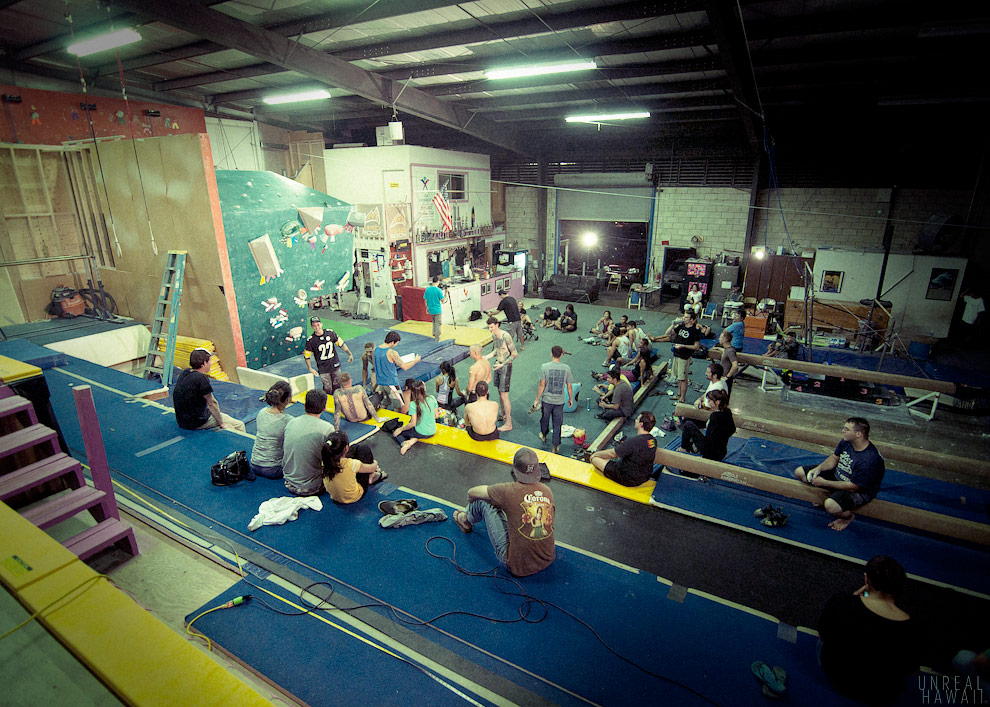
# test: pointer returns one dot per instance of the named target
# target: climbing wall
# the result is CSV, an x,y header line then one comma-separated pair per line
x,y
286,243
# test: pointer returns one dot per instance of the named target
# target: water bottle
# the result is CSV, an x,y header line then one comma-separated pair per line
x,y
587,405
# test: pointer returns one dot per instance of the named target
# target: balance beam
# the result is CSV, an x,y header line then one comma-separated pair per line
x,y
857,374
960,465
606,435
917,518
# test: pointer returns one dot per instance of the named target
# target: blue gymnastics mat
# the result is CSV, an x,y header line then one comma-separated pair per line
x,y
939,559
629,609
432,353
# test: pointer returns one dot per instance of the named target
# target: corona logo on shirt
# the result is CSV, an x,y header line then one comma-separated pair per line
x,y
537,517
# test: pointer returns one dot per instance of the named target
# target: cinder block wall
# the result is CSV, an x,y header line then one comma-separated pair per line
x,y
717,214
522,224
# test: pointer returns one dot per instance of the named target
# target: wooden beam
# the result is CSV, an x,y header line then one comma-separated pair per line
x,y
858,374
974,468
877,509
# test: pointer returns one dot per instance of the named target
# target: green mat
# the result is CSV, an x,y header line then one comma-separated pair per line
x,y
345,330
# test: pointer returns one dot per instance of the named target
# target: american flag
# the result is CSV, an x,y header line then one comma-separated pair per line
x,y
443,208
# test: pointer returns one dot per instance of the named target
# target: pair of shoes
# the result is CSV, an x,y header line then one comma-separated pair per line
x,y
600,416
775,518
402,505
460,518
763,512
533,409
431,515
774,679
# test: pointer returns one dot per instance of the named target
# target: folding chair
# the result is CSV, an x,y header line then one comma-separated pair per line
x,y
635,299
614,279
711,311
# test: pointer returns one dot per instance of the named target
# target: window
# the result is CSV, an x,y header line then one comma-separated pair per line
x,y
456,185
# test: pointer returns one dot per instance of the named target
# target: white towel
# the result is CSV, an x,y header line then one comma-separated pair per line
x,y
277,511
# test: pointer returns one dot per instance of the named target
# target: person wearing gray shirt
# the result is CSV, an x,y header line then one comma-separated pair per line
x,y
302,465
266,455
622,397
554,390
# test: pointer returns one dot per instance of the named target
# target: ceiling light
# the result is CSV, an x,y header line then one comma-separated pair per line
x,y
110,40
604,117
538,70
318,94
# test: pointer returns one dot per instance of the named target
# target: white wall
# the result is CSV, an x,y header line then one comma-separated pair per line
x,y
236,144
905,285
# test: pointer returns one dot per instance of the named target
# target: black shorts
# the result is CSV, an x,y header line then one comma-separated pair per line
x,y
502,377
613,471
480,437
847,500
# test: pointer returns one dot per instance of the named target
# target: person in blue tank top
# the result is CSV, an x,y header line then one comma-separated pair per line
x,y
387,365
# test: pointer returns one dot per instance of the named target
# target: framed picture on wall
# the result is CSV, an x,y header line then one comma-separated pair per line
x,y
832,281
942,284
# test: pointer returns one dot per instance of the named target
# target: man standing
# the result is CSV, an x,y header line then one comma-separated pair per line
x,y
480,371
729,360
685,337
302,465
322,345
387,365
715,382
505,353
630,463
518,515
737,330
555,378
480,416
513,326
435,298
853,473
622,397
192,397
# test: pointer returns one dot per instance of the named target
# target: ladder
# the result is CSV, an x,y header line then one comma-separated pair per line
x,y
166,311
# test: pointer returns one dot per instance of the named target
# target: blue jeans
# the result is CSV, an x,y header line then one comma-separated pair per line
x,y
494,520
268,472
411,433
555,413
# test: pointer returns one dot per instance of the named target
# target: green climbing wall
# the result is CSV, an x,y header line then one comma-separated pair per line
x,y
300,258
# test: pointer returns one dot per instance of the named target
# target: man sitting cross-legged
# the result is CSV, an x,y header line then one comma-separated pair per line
x,y
621,404
853,473
630,462
480,416
302,466
353,402
518,515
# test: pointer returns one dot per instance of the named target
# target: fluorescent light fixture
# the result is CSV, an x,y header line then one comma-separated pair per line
x,y
315,95
538,70
110,40
605,117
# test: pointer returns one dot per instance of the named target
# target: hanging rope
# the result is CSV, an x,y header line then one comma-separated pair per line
x,y
92,133
130,123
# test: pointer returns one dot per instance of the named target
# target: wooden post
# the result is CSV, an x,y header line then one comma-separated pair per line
x,y
856,374
963,466
917,518
96,453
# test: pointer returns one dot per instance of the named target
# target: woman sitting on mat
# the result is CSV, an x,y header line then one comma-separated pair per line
x,y
348,471
603,325
447,387
713,443
867,644
568,320
266,455
422,418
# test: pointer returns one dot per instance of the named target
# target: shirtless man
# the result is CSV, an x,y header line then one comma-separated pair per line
x,y
480,416
480,370
505,353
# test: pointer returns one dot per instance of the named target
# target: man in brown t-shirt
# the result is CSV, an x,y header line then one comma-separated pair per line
x,y
518,515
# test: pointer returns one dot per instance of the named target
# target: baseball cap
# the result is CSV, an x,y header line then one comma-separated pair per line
x,y
315,319
526,466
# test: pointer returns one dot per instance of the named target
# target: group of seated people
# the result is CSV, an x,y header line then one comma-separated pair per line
x,y
565,321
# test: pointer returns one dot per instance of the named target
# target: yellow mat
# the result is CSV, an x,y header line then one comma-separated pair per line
x,y
137,656
463,335
12,371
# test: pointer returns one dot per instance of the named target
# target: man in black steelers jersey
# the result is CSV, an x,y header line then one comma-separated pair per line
x,y
322,346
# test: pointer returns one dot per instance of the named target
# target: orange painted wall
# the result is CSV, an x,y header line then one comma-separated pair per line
x,y
51,118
